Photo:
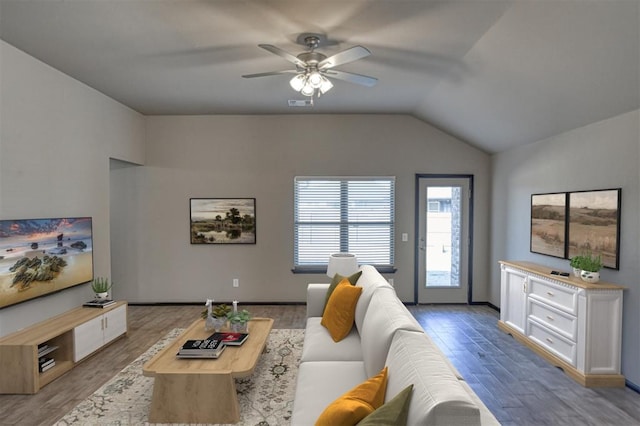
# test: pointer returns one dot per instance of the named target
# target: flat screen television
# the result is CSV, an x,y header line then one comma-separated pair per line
x,y
43,256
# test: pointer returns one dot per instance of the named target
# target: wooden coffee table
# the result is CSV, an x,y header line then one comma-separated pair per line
x,y
203,390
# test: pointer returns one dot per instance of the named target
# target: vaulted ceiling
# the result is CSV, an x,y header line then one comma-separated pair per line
x,y
496,74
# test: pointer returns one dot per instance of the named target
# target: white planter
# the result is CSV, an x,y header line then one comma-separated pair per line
x,y
590,277
102,296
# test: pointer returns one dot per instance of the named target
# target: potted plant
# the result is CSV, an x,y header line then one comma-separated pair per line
x,y
101,287
576,263
591,265
238,320
215,318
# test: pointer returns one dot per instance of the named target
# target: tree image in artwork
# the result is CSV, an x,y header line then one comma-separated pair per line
x,y
223,221
548,218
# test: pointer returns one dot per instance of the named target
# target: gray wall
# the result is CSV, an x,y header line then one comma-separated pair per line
x,y
598,156
258,156
56,138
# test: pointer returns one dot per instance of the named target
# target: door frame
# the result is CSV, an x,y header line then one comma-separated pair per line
x,y
416,248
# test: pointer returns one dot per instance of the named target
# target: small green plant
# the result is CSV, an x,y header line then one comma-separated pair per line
x,y
576,261
220,311
591,263
240,317
101,285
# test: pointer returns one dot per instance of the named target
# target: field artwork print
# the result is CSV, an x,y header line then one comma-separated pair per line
x,y
594,225
223,220
548,219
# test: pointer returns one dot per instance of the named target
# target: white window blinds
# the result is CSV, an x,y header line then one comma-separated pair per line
x,y
343,214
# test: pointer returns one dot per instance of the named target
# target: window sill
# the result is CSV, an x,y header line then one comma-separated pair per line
x,y
322,269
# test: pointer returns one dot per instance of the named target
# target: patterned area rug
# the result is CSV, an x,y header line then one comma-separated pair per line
x,y
266,398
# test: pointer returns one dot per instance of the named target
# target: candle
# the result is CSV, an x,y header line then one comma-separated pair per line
x,y
235,306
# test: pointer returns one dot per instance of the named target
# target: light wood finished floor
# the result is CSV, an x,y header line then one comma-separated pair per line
x,y
519,387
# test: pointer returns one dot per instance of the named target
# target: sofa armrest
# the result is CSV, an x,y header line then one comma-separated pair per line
x,y
316,294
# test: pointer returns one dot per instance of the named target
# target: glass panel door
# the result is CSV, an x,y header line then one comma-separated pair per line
x,y
443,237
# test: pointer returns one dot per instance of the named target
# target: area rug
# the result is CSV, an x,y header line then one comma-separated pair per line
x,y
266,397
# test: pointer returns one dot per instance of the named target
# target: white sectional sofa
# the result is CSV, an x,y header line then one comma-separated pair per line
x,y
385,334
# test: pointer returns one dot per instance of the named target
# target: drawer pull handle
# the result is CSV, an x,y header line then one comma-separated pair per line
x,y
549,294
549,317
550,340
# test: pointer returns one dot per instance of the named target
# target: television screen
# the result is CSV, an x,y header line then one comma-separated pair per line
x,y
43,256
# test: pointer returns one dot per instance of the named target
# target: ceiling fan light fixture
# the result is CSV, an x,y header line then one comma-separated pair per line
x,y
308,90
315,79
298,82
326,85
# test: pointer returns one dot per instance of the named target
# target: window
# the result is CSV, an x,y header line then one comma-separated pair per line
x,y
343,214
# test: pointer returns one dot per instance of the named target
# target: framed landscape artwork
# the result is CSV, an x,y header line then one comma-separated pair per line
x,y
594,225
223,220
548,224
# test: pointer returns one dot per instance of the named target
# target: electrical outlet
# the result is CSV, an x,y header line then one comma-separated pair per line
x,y
236,282
405,237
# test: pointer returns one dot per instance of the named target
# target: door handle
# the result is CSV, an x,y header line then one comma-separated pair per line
x,y
422,244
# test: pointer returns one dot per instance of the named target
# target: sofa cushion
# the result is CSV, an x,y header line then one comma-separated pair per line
x,y
438,397
319,346
356,404
370,281
340,310
320,383
385,315
392,413
337,278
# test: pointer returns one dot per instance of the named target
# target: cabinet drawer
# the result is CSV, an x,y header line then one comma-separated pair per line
x,y
560,346
563,298
557,320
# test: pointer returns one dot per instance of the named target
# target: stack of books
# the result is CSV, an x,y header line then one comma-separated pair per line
x,y
99,303
212,346
207,348
45,363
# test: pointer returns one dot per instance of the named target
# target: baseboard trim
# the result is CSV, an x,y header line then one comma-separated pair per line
x,y
632,386
217,302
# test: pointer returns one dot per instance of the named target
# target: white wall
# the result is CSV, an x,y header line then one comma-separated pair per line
x,y
56,138
258,157
598,156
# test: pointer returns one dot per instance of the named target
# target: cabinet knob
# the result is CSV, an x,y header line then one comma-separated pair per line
x,y
550,340
549,317
550,294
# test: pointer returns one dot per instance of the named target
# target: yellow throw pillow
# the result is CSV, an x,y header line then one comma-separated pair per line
x,y
340,312
356,404
337,278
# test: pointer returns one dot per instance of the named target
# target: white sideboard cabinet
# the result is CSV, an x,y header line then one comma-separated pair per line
x,y
575,325
90,336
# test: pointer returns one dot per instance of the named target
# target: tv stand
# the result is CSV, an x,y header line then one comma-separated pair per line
x,y
67,339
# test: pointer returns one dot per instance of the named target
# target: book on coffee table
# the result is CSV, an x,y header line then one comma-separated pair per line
x,y
201,348
230,338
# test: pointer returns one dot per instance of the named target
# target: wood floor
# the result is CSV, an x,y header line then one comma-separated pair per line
x,y
519,387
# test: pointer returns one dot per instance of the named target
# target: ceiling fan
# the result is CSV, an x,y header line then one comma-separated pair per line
x,y
313,69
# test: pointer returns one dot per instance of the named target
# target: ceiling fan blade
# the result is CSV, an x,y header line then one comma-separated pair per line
x,y
352,54
283,54
265,74
363,80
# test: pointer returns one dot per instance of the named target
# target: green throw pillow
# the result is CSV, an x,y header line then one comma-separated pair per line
x,y
393,413
353,279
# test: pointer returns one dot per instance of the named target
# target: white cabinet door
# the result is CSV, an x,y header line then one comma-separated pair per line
x,y
115,323
514,298
87,338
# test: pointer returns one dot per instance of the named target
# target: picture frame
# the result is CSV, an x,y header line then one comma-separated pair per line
x,y
222,220
594,225
549,224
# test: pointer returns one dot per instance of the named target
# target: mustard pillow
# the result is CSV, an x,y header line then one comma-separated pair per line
x,y
392,413
340,312
356,404
353,279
